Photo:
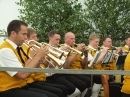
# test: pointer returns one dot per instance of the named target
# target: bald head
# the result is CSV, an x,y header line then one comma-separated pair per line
x,y
68,34
69,38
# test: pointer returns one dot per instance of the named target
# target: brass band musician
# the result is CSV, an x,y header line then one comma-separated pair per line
x,y
126,82
107,42
93,48
14,83
126,48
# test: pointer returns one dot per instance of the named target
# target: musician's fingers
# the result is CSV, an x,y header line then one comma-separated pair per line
x,y
64,48
106,48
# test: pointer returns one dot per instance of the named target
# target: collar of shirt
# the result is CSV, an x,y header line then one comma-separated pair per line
x,y
126,46
102,46
12,43
91,47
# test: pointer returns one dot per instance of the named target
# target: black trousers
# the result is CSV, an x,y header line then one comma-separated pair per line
x,y
19,92
85,79
125,95
59,86
50,89
69,81
95,78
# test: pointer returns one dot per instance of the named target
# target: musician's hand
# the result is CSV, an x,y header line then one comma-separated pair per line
x,y
81,47
86,51
42,51
41,61
64,48
105,50
118,50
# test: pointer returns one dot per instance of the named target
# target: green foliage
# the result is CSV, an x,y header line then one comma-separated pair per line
x,y
109,18
61,15
105,17
3,33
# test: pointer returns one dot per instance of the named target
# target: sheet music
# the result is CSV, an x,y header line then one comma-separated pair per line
x,y
106,60
95,58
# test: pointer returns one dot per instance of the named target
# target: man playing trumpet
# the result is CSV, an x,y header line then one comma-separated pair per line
x,y
14,83
107,42
126,48
93,48
126,82
74,60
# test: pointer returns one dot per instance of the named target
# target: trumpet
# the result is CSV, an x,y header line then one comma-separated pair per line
x,y
84,52
53,56
74,50
113,51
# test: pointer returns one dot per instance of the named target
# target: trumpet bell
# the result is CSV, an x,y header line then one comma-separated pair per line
x,y
66,54
58,62
54,54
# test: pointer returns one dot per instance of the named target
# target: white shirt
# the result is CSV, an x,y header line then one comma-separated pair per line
x,y
9,59
90,57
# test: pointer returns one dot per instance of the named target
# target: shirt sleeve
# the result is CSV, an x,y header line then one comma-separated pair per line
x,y
9,59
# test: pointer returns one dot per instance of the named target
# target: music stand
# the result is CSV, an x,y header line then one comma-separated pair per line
x,y
120,60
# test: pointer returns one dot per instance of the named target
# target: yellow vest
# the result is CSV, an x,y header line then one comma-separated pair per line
x,y
125,48
76,64
126,82
34,76
6,81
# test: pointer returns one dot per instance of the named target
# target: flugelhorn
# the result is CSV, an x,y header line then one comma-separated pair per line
x,y
63,53
53,55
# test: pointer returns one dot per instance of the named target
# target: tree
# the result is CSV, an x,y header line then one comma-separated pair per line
x,y
104,17
109,18
61,15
